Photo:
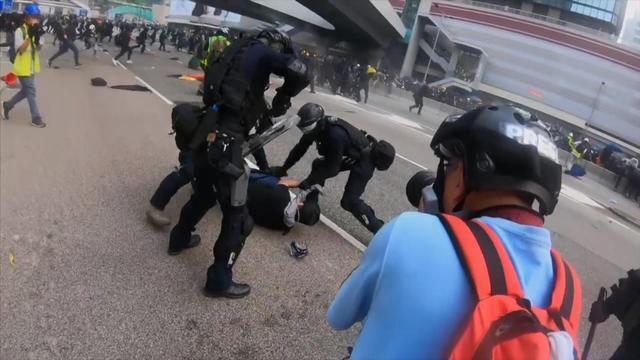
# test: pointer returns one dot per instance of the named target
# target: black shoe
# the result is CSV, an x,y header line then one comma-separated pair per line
x,y
234,291
5,110
193,242
37,122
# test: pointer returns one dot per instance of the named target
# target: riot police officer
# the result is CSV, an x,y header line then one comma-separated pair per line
x,y
233,95
343,147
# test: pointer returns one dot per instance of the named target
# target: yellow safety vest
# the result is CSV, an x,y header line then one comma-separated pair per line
x,y
28,62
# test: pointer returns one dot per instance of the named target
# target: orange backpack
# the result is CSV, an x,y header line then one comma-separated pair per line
x,y
503,324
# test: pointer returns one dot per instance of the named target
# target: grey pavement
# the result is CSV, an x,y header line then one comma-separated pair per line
x,y
105,212
91,280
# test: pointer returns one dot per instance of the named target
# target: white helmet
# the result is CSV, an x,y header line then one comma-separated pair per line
x,y
92,27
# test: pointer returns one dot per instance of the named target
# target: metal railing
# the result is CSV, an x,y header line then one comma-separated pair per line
x,y
601,34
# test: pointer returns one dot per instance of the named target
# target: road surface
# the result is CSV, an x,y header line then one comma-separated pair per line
x,y
91,278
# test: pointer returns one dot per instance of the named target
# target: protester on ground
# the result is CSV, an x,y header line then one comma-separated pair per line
x,y
489,240
27,64
67,37
342,147
271,205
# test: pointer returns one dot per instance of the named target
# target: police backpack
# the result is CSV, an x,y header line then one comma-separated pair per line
x,y
185,119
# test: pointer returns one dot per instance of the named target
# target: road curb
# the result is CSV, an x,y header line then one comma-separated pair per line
x,y
633,220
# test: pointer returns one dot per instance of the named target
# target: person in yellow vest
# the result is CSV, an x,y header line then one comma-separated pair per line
x,y
215,46
27,64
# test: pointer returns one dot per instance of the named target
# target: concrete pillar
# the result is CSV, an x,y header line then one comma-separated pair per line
x,y
553,13
527,6
412,50
453,62
482,65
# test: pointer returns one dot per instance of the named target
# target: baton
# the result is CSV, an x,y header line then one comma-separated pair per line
x,y
278,128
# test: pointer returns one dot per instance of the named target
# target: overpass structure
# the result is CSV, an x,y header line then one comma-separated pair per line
x,y
365,24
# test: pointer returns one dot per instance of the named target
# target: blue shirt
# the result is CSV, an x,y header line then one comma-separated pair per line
x,y
412,295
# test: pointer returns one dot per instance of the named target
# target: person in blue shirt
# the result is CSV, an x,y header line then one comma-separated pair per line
x,y
410,291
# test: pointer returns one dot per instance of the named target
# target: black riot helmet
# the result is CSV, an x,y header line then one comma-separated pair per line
x,y
277,40
503,148
382,154
310,114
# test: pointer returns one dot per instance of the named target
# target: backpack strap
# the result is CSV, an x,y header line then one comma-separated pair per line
x,y
483,256
567,293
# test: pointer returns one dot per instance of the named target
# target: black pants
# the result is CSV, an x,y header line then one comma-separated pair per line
x,y
359,176
236,221
261,159
162,46
142,47
173,182
364,87
125,49
64,47
418,103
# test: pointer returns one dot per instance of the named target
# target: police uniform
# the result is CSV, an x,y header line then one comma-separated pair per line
x,y
343,148
233,94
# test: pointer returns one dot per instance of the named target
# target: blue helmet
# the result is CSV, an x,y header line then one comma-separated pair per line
x,y
32,10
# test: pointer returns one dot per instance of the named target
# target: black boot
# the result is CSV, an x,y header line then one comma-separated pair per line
x,y
175,248
234,291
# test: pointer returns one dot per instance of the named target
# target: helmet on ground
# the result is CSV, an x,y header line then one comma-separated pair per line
x,y
276,39
309,213
32,10
503,148
382,154
310,114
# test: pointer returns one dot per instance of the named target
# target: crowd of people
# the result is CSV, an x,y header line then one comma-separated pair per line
x,y
487,282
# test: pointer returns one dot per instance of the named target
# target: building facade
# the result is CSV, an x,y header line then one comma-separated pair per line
x,y
580,77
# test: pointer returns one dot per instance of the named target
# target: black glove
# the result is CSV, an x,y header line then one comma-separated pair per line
x,y
278,171
624,294
280,104
304,185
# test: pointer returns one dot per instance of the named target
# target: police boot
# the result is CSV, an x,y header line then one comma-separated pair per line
x,y
220,283
157,217
177,243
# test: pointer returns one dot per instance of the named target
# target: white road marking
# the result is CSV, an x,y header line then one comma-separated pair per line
x,y
411,161
579,197
169,102
345,235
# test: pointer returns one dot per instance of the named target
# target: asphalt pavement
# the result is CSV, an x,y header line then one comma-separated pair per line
x,y
82,276
91,278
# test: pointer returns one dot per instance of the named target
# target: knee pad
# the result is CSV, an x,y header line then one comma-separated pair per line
x,y
246,224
